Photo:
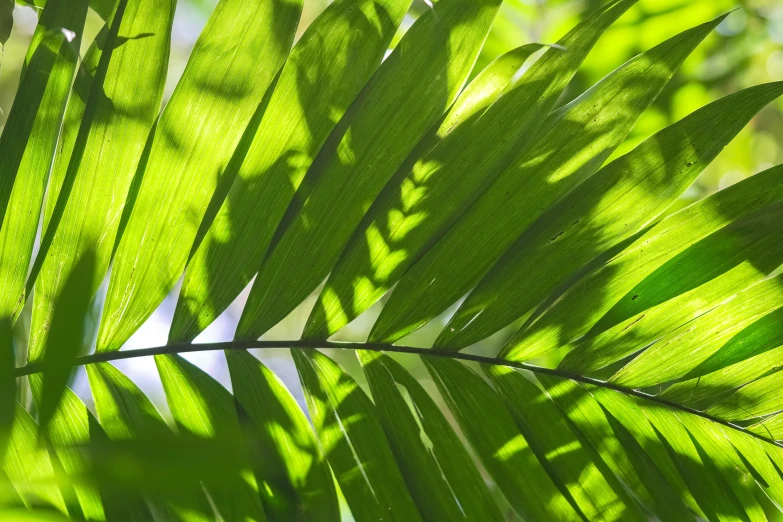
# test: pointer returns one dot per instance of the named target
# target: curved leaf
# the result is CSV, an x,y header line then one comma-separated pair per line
x,y
195,136
473,102
617,202
327,68
123,102
569,146
582,308
439,472
293,467
697,345
353,441
687,286
29,139
411,90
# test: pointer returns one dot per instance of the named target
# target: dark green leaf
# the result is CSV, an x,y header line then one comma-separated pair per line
x,y
440,474
503,450
569,146
352,439
579,311
617,202
67,337
295,472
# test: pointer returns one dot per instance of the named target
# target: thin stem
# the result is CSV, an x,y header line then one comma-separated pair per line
x,y
380,347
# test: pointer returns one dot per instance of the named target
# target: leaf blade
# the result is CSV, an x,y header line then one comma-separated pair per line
x,y
423,74
202,124
353,441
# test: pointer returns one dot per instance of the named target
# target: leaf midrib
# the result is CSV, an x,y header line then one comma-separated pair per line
x,y
306,344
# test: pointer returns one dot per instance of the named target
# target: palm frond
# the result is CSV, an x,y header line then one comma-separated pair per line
x,y
639,373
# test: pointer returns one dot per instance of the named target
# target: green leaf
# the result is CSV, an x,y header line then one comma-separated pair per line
x,y
756,399
567,148
708,343
87,75
68,430
374,254
127,414
7,384
572,463
352,439
232,65
102,7
689,285
408,94
67,338
295,474
698,389
203,408
327,68
660,432
503,450
582,307
122,104
721,453
6,20
620,451
29,138
753,453
617,202
771,427
29,466
440,474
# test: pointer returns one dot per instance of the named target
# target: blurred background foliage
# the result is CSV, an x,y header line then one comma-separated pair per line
x,y
746,50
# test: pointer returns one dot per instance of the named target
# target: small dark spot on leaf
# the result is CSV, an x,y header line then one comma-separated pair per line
x,y
635,297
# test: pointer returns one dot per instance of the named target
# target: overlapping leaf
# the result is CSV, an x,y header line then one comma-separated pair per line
x,y
411,90
232,66
120,108
327,68
29,138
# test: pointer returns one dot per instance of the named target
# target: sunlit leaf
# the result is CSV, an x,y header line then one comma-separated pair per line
x,y
296,476
230,69
29,138
410,91
121,106
327,68
352,439
439,472
581,310
203,408
571,462
500,445
127,414
617,202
